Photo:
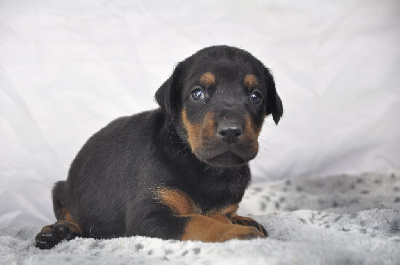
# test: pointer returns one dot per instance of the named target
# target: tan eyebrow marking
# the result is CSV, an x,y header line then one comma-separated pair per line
x,y
207,79
250,80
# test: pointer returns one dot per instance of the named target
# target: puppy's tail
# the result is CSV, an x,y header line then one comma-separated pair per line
x,y
58,199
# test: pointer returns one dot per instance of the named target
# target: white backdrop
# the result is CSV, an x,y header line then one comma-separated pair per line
x,y
67,68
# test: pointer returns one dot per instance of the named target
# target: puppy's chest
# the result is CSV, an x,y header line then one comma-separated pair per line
x,y
183,204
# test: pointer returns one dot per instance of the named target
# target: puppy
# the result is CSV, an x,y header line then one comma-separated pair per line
x,y
177,172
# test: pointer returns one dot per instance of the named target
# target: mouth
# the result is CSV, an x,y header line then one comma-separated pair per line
x,y
226,159
227,155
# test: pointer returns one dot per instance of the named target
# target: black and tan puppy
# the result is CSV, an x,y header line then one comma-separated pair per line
x,y
177,172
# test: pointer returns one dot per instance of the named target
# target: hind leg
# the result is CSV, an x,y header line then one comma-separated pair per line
x,y
53,234
66,228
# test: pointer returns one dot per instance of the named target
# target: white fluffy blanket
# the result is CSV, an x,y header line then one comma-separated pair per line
x,y
335,220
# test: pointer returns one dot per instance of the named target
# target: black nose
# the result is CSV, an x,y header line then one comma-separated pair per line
x,y
230,132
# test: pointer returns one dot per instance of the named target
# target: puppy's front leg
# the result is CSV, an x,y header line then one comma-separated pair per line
x,y
154,219
209,229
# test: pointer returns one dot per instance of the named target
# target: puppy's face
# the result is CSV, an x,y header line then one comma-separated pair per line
x,y
220,97
222,114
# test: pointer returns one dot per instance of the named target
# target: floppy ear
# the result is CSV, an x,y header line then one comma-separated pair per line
x,y
274,103
167,95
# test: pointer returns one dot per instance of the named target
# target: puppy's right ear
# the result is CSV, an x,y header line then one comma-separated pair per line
x,y
167,96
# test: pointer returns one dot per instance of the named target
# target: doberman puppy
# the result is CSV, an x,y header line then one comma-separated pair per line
x,y
177,172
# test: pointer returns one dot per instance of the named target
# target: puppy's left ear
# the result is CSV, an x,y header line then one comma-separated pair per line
x,y
274,103
167,96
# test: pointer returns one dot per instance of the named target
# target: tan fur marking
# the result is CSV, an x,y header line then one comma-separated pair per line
x,y
178,201
197,131
227,211
68,218
72,226
209,127
238,218
250,80
246,221
47,230
207,229
65,218
250,128
193,132
230,210
207,79
252,131
221,218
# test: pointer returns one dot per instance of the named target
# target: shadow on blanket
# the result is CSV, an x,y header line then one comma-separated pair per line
x,y
335,220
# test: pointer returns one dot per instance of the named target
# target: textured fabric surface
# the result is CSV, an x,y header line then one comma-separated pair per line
x,y
337,220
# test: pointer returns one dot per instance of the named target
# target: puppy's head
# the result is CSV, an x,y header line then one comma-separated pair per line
x,y
217,100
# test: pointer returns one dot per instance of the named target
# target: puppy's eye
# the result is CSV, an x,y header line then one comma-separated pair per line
x,y
256,97
197,94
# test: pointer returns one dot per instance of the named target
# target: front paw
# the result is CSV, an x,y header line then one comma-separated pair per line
x,y
241,232
206,229
247,221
